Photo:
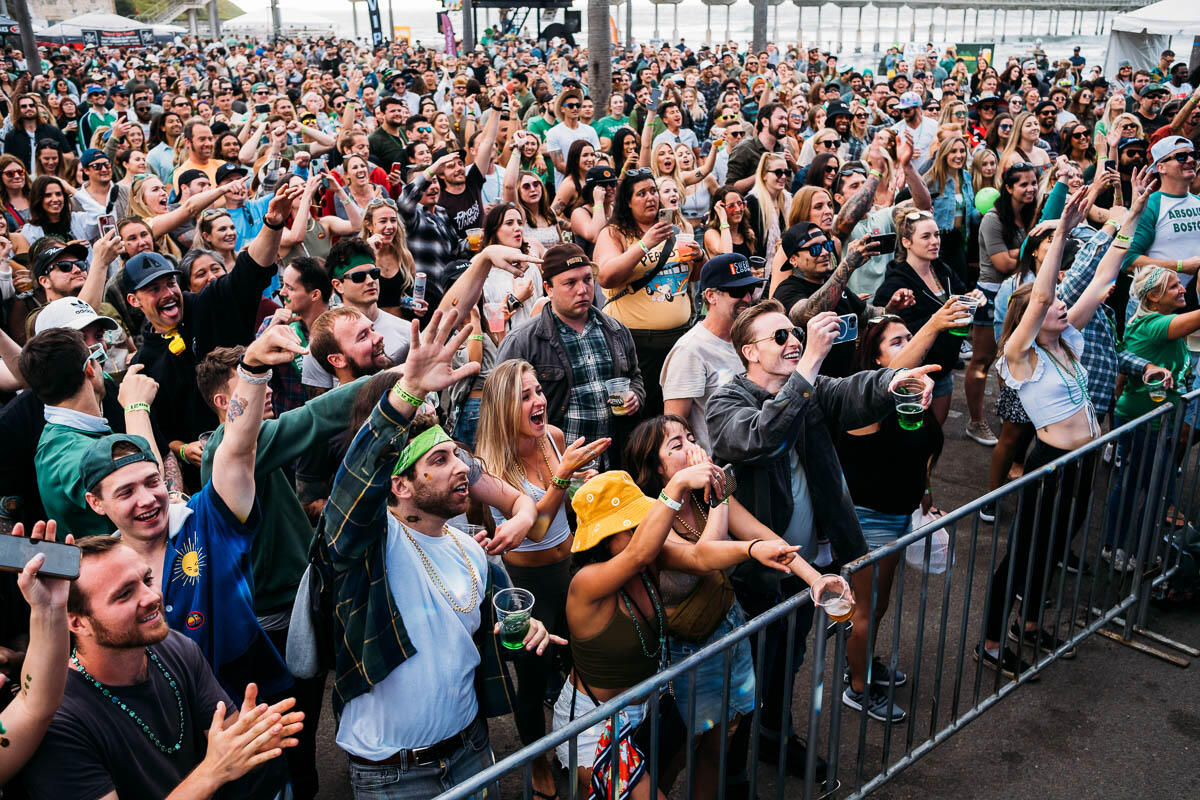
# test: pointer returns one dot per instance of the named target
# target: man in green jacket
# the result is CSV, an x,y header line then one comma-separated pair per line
x,y
280,551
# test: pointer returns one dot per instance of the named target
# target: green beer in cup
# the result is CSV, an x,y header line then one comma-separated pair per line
x,y
514,609
909,410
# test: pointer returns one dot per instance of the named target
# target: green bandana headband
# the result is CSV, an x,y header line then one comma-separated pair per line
x,y
356,260
419,446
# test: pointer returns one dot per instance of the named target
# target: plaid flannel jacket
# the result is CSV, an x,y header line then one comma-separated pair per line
x,y
431,238
369,637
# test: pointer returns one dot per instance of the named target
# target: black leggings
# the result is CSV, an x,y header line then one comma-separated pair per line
x,y
548,584
1034,551
652,349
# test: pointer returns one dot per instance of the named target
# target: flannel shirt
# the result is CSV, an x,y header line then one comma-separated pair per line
x,y
431,237
287,392
591,366
1100,356
369,638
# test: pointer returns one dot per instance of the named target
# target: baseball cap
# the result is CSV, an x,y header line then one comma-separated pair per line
x,y
91,156
1130,141
797,236
601,175
98,461
41,264
1168,145
143,268
1153,88
706,64
727,271
259,87
189,175
229,168
96,90
909,100
69,312
563,257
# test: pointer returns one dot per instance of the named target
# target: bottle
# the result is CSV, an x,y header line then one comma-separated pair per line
x,y
419,286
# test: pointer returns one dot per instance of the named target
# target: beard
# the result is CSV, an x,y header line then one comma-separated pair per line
x,y
134,636
438,503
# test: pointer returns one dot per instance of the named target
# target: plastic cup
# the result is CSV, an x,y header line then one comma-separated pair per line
x,y
514,610
1193,341
1156,389
909,409
686,246
834,600
971,303
475,239
617,389
494,313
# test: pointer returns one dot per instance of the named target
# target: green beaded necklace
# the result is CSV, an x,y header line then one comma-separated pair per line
x,y
133,714
658,614
1061,368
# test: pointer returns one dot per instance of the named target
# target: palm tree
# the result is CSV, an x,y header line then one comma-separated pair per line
x,y
599,39
760,26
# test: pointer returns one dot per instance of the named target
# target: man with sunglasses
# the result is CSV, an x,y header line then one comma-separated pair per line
x,y
1168,232
27,130
98,183
98,115
922,128
703,358
985,107
560,138
773,424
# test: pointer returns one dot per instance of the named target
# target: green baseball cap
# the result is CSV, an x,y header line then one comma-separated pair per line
x,y
98,462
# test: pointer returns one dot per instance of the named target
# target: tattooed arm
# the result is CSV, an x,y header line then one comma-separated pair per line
x,y
826,298
859,205
233,463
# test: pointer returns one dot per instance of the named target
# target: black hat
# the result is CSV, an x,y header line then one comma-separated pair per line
x,y
1043,105
41,264
836,109
601,175
727,271
797,236
189,175
230,168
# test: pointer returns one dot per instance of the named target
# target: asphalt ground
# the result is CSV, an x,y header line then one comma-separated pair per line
x,y
1111,723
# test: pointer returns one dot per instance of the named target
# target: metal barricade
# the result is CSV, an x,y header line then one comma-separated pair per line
x,y
1114,491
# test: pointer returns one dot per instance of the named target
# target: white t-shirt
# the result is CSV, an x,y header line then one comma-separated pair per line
x,y
923,139
396,334
499,283
699,362
685,136
431,695
560,138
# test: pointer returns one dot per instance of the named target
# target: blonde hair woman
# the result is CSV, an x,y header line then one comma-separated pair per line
x,y
1022,144
382,230
670,197
148,200
985,170
768,202
810,204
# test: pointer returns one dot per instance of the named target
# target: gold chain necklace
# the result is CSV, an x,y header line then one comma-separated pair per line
x,y
690,530
545,458
434,576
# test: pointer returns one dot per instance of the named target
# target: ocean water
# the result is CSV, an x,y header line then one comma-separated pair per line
x,y
859,43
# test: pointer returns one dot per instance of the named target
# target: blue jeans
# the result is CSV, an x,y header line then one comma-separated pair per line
x,y
880,529
1139,452
467,423
420,782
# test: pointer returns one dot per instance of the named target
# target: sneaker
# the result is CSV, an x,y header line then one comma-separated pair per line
x,y
1075,564
987,512
797,757
965,351
1041,639
1007,664
980,432
881,676
874,703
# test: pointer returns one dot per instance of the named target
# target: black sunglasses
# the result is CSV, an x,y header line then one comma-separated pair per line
x,y
832,144
779,173
639,174
738,292
1182,157
69,266
360,277
570,106
817,248
781,336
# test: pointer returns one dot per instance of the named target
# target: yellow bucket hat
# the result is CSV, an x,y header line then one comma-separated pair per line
x,y
607,504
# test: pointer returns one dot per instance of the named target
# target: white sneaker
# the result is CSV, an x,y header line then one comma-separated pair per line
x,y
965,351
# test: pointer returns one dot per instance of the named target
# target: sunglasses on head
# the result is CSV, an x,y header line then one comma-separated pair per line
x,y
884,318
359,277
781,336
639,174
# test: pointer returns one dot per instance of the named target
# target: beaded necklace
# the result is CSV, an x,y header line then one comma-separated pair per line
x,y
1076,383
133,714
436,577
692,532
658,614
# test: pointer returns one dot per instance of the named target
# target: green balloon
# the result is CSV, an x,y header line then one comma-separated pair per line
x,y
985,198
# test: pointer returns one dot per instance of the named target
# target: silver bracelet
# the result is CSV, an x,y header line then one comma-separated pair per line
x,y
254,380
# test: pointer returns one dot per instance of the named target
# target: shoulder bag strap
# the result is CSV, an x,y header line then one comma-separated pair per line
x,y
648,275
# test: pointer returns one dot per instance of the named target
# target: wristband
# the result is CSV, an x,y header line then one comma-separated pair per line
x,y
1179,265
261,369
645,249
666,500
1112,222
876,174
475,337
278,227
750,549
407,397
182,447
428,174
561,483
724,226
251,378
1123,239
132,407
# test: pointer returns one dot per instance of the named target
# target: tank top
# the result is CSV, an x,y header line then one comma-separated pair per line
x,y
1052,394
315,244
614,657
695,205
548,236
392,289
559,528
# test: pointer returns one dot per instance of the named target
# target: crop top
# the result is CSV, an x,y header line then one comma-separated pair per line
x,y
559,528
1050,396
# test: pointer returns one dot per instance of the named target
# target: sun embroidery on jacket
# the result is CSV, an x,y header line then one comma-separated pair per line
x,y
189,565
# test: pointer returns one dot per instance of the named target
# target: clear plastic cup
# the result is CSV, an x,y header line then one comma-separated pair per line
x,y
617,389
971,303
475,239
834,600
514,610
1156,388
909,408
494,314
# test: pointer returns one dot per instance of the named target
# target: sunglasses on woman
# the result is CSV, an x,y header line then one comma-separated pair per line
x,y
779,173
781,336
831,144
1005,128
359,277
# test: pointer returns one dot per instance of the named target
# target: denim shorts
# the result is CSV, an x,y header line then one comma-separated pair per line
x,y
986,313
588,739
710,676
943,384
881,529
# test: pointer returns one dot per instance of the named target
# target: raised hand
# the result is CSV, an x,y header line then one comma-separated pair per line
x,y
279,344
136,387
428,366
280,207
579,453
510,259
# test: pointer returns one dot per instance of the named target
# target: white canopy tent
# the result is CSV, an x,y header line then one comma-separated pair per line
x,y
294,19
1140,36
93,21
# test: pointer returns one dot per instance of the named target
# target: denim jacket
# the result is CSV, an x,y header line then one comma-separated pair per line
x,y
943,205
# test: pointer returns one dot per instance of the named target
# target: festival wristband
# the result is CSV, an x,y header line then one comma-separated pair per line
x,y
252,378
1123,239
645,249
876,174
407,397
666,500
429,174
1179,265
182,447
261,369
475,337
724,226
561,483
132,407
1114,223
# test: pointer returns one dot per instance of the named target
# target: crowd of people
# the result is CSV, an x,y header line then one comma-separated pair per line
x,y
314,353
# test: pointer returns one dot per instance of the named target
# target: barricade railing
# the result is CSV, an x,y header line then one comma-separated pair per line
x,y
1116,491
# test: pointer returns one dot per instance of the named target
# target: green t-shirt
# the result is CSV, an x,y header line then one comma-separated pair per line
x,y
59,452
539,126
1146,337
605,127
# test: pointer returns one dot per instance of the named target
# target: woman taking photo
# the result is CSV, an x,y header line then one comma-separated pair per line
x,y
645,276
1001,232
50,212
505,225
702,609
919,268
397,271
1022,146
617,614
1041,346
727,228
593,207
953,205
520,448
16,186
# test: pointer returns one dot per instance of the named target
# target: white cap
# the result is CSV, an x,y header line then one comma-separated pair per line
x,y
69,312
1168,145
